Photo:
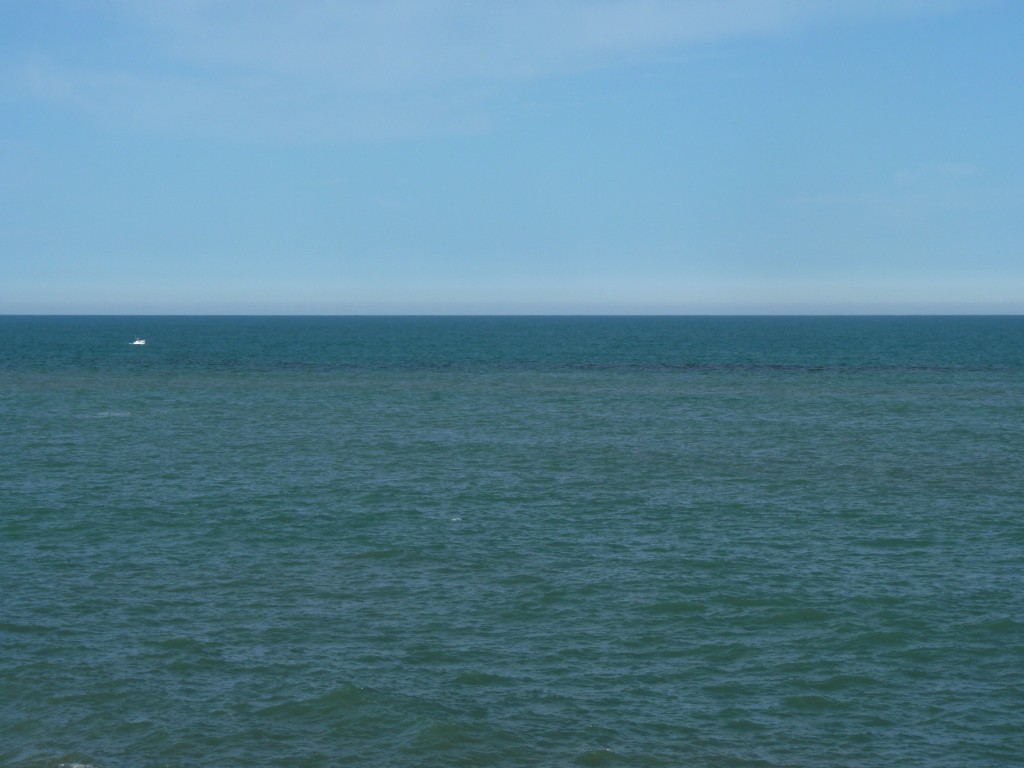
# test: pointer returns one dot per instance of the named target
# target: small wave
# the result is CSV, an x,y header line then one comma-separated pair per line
x,y
338,702
672,607
481,678
1003,625
597,757
743,724
845,682
109,415
813,703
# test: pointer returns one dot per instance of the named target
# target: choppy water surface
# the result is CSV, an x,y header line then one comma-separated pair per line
x,y
511,542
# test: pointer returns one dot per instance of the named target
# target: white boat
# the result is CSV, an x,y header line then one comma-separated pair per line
x,y
138,341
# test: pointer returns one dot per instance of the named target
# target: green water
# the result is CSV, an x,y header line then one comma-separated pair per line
x,y
511,542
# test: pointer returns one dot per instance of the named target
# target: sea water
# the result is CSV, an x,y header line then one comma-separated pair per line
x,y
511,542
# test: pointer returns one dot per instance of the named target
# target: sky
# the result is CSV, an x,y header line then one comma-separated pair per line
x,y
511,156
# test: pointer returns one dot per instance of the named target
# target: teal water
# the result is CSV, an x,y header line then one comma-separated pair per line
x,y
511,542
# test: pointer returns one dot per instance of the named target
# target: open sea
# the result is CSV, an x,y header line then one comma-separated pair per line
x,y
520,541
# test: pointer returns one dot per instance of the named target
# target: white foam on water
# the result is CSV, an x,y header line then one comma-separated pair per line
x,y
105,415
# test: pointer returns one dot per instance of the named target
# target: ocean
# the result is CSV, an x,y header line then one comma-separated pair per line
x,y
511,541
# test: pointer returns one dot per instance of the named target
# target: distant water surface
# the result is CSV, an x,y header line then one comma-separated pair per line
x,y
511,542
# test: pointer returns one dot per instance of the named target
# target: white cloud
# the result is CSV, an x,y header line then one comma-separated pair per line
x,y
380,44
323,67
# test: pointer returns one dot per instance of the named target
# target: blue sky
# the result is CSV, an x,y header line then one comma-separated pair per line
x,y
466,156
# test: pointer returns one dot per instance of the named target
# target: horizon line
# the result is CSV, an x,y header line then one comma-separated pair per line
x,y
506,314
